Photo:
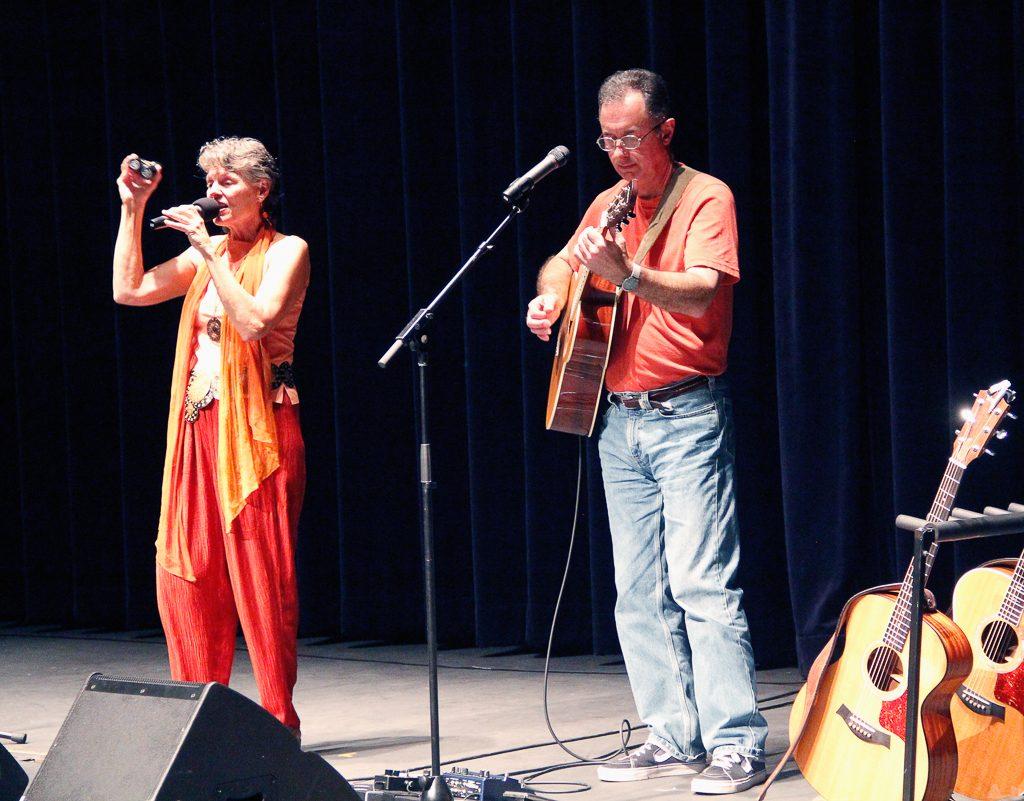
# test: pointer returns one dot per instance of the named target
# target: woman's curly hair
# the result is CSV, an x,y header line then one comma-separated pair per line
x,y
249,158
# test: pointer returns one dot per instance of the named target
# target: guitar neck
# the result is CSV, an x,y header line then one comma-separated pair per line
x,y
1012,608
898,628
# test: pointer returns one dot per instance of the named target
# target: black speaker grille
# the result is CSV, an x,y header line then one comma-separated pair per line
x,y
116,743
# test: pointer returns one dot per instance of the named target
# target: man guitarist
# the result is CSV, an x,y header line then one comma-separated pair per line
x,y
666,445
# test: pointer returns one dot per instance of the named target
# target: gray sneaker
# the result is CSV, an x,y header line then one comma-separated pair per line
x,y
647,762
729,772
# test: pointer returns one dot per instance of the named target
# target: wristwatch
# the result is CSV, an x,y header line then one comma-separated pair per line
x,y
632,281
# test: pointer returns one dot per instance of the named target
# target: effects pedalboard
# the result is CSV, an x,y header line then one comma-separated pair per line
x,y
475,785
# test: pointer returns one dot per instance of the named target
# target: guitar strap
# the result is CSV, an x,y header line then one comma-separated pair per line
x,y
674,188
814,678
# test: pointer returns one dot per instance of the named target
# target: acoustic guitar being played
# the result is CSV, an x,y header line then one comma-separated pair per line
x,y
849,721
585,336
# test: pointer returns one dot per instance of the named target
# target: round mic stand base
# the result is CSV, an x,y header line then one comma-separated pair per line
x,y
437,790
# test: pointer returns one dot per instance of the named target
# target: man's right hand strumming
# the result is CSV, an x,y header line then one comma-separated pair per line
x,y
542,313
132,187
552,290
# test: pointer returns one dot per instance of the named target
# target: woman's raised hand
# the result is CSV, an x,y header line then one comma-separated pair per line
x,y
132,187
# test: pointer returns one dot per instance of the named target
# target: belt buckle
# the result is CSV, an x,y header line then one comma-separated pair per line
x,y
626,400
199,394
634,400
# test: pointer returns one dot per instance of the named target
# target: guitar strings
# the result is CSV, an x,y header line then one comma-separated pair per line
x,y
996,642
989,653
882,666
881,669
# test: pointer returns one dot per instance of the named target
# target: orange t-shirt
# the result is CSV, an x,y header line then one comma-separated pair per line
x,y
652,347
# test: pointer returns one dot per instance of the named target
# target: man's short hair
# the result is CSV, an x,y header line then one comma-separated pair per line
x,y
649,84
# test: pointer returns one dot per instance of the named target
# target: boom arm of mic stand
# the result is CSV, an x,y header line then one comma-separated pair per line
x,y
425,315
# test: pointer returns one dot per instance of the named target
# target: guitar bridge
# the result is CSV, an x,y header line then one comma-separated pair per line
x,y
979,704
861,728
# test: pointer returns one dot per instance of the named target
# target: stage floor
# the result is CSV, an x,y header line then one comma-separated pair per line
x,y
364,705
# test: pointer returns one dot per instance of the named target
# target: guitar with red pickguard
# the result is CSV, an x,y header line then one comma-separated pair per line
x,y
848,731
988,710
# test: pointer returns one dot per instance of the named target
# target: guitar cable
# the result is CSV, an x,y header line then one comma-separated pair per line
x,y
625,727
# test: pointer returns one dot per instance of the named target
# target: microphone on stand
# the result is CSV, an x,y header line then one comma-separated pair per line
x,y
208,208
522,185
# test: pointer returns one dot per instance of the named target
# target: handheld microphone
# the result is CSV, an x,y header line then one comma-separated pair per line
x,y
522,185
208,208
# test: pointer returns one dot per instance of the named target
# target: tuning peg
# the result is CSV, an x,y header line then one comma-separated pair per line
x,y
1000,434
1011,415
956,433
988,452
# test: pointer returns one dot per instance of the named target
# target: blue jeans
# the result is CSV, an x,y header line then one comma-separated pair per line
x,y
668,479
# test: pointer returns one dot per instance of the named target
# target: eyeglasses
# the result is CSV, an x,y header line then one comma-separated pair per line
x,y
628,142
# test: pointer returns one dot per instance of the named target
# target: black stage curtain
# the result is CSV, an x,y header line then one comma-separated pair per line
x,y
875,153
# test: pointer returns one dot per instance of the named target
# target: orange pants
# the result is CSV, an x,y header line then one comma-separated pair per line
x,y
243,575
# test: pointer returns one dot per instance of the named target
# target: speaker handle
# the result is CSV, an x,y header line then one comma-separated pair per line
x,y
254,788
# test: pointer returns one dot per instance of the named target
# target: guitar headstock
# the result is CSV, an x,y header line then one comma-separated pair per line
x,y
982,422
620,210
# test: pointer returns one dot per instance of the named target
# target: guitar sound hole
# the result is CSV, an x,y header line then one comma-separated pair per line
x,y
885,668
1000,642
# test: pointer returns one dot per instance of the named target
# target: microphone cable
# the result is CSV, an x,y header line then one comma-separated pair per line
x,y
625,727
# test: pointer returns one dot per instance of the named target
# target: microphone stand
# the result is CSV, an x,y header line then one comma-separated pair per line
x,y
416,337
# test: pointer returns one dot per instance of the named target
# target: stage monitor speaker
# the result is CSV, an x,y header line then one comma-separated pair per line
x,y
130,739
12,778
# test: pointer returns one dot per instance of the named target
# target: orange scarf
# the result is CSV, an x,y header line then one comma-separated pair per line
x,y
247,437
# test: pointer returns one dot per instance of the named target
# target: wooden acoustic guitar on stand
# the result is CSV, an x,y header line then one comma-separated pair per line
x,y
988,710
848,722
585,336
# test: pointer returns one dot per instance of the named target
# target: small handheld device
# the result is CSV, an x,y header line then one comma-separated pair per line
x,y
147,169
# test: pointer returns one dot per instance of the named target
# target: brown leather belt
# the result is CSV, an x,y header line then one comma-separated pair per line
x,y
635,400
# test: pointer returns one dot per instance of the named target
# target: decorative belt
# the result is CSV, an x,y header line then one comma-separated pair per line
x,y
283,373
646,400
203,388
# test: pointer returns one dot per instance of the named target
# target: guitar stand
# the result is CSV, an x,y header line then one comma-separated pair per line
x,y
962,525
